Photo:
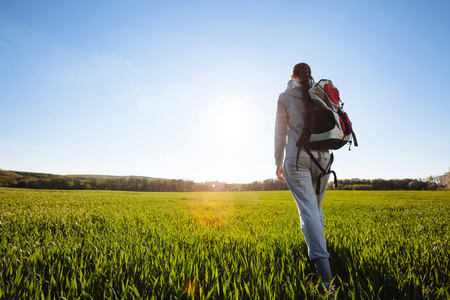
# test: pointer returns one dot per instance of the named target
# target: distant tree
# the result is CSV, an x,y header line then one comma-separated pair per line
x,y
359,187
445,180
66,184
22,184
413,185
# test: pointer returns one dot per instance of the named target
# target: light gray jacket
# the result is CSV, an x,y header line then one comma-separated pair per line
x,y
289,121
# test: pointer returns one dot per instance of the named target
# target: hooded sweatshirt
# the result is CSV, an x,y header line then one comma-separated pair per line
x,y
289,121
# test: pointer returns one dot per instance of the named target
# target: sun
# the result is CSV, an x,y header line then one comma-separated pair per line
x,y
231,123
229,129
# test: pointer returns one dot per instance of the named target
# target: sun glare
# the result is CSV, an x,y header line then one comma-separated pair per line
x,y
230,124
229,127
214,212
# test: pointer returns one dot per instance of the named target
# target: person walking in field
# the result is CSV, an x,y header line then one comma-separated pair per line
x,y
301,174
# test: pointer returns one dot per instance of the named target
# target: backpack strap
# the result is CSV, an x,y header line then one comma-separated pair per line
x,y
325,171
354,138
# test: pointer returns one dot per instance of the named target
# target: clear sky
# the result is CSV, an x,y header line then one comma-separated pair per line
x,y
188,89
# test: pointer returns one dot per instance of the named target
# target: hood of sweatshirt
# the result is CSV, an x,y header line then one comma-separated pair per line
x,y
294,88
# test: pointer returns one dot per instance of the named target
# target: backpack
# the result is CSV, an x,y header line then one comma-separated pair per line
x,y
327,126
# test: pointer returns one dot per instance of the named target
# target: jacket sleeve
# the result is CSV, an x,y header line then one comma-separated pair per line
x,y
281,125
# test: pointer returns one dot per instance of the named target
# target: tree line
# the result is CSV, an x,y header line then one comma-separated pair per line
x,y
431,183
147,184
127,183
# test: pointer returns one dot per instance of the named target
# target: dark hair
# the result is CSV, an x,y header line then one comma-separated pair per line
x,y
302,72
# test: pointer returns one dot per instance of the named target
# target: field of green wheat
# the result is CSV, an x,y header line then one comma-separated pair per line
x,y
230,245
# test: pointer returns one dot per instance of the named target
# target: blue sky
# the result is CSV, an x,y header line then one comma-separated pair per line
x,y
188,89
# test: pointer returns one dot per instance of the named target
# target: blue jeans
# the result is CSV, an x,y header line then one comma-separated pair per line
x,y
302,184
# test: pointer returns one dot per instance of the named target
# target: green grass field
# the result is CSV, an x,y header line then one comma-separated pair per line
x,y
243,245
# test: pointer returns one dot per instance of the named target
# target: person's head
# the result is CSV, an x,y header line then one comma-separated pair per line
x,y
302,72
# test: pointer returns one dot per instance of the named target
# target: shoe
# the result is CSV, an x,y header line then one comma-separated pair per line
x,y
316,283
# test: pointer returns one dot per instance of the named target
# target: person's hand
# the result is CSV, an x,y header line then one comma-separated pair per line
x,y
280,173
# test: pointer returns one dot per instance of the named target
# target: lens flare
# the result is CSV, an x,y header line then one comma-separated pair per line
x,y
191,286
211,209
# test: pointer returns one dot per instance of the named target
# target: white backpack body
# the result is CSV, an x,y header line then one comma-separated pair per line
x,y
330,128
